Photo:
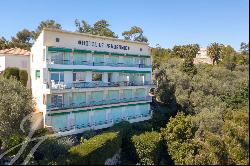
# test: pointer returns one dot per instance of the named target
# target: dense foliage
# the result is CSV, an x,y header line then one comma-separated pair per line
x,y
95,150
212,125
15,104
23,75
100,28
147,147
135,33
20,75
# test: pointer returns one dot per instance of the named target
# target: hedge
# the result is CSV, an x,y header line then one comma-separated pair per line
x,y
20,75
95,150
23,75
147,147
11,71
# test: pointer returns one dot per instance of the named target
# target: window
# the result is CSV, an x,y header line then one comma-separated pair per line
x,y
37,74
57,77
57,100
57,39
78,76
96,76
109,77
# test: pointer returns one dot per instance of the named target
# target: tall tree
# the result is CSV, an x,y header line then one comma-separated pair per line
x,y
159,56
82,26
214,51
188,66
23,39
227,51
3,43
184,51
244,47
46,24
100,28
15,103
135,33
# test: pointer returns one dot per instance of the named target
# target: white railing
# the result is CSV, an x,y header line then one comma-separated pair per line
x,y
54,106
74,85
104,124
90,63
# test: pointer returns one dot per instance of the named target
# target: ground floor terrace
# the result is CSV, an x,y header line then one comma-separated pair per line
x,y
80,120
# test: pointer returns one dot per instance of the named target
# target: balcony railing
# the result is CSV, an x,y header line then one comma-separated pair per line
x,y
76,85
89,63
105,123
73,105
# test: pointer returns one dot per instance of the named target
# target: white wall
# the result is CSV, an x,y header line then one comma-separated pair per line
x,y
70,40
68,77
20,61
2,63
37,63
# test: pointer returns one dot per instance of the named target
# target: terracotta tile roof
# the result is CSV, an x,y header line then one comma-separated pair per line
x,y
15,51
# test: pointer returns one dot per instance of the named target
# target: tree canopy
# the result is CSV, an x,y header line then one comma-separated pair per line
x,y
100,28
15,103
46,24
23,39
135,33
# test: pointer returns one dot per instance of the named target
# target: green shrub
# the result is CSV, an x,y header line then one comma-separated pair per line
x,y
23,75
142,126
147,147
15,104
11,71
88,134
13,141
95,150
41,132
49,151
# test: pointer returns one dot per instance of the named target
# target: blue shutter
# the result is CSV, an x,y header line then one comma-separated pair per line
x,y
82,119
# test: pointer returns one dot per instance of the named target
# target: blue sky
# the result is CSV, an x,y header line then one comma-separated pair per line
x,y
165,22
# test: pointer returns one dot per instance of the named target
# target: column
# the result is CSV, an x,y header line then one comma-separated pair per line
x,y
115,77
88,76
108,115
134,93
89,58
105,95
88,97
121,94
105,77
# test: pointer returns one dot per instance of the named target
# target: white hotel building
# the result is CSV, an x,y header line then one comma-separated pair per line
x,y
82,82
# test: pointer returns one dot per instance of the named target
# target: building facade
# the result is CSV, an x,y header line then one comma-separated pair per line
x,y
202,57
82,81
15,57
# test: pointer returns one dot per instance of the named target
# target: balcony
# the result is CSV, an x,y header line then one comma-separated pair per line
x,y
89,63
103,124
54,107
96,84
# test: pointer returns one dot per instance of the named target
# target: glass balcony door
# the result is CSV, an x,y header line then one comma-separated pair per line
x,y
57,77
57,100
80,59
98,60
60,57
79,76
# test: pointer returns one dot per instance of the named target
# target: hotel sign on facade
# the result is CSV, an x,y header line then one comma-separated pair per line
x,y
103,45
